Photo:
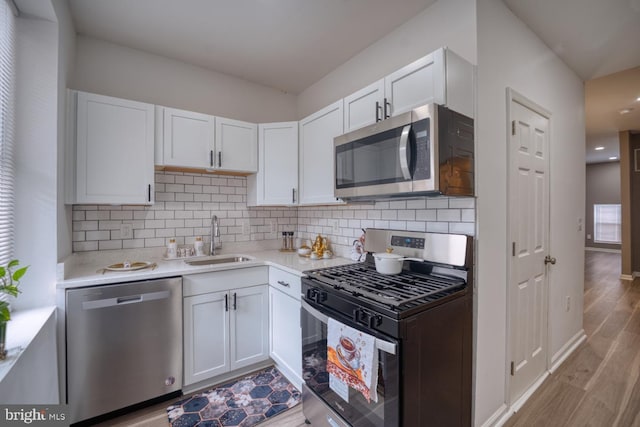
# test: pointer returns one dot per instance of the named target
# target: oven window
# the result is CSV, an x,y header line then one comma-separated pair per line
x,y
357,411
373,160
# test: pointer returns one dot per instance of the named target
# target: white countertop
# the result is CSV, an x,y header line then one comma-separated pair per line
x,y
82,269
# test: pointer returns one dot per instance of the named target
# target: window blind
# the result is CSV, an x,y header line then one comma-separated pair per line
x,y
7,108
607,223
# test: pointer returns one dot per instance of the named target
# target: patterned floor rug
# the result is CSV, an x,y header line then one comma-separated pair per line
x,y
242,403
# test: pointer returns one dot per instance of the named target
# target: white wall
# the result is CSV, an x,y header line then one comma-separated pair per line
x,y
510,55
36,159
114,70
66,65
449,23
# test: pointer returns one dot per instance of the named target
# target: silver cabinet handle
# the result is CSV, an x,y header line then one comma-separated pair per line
x,y
219,159
293,195
283,283
211,158
378,111
402,152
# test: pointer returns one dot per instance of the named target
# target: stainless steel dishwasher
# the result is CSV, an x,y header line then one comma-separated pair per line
x,y
124,345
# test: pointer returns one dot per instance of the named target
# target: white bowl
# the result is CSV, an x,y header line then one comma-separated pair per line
x,y
304,251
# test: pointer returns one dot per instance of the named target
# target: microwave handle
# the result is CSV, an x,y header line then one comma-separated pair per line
x,y
386,346
402,152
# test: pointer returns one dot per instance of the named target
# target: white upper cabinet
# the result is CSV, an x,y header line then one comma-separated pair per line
x,y
276,183
195,140
236,146
364,107
187,139
416,84
316,164
113,149
441,77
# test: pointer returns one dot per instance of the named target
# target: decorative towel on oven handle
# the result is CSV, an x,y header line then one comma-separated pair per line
x,y
352,357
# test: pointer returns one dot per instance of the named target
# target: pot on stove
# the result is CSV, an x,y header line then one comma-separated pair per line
x,y
388,263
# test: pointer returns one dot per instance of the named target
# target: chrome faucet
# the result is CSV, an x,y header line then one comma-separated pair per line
x,y
215,235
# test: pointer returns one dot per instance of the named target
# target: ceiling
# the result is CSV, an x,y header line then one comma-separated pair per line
x,y
291,44
283,44
596,38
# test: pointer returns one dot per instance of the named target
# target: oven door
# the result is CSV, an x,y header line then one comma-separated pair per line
x,y
356,411
375,160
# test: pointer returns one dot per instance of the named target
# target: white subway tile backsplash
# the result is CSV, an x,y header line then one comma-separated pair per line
x,y
462,203
437,227
97,215
122,215
449,215
104,245
97,235
185,203
438,203
185,179
462,228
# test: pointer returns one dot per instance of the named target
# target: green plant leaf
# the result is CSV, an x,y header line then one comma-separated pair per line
x,y
13,263
11,290
3,271
17,275
5,314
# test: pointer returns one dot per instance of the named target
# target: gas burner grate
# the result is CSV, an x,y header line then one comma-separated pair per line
x,y
393,290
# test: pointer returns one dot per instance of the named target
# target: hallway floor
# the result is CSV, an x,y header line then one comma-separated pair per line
x,y
598,384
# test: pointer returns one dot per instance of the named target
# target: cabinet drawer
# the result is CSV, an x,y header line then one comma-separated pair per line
x,y
286,282
215,281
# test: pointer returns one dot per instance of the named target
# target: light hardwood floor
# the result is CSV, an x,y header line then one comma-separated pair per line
x,y
596,386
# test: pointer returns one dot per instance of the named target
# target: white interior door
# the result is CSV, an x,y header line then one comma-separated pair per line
x,y
529,233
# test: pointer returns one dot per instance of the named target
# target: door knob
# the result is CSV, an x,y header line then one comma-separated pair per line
x,y
548,260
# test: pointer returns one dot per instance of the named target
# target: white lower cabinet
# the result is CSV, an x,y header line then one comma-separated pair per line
x,y
224,329
206,336
285,337
249,310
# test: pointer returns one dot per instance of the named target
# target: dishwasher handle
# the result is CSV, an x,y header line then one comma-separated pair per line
x,y
124,300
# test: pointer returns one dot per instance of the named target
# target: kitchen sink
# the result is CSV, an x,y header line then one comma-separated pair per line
x,y
212,260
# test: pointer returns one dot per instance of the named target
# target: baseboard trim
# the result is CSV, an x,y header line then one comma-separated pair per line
x,y
515,407
628,277
504,413
567,349
594,249
497,417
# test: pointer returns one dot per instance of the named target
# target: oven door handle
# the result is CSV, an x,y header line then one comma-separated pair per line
x,y
386,346
402,152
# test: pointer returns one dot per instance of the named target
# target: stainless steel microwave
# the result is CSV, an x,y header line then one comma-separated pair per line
x,y
426,151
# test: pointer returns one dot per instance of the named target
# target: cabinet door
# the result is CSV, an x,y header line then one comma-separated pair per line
x,y
419,83
317,155
276,182
364,107
249,308
206,336
236,145
285,335
188,138
114,150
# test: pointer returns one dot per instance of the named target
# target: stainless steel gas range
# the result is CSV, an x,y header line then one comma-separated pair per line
x,y
422,323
